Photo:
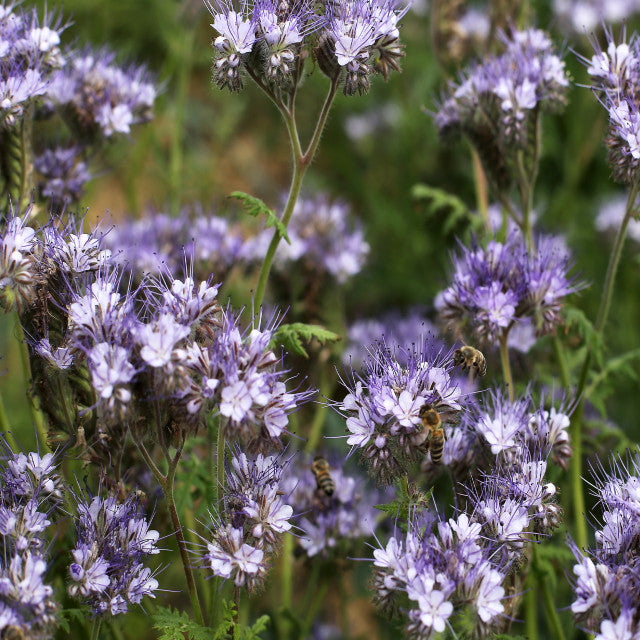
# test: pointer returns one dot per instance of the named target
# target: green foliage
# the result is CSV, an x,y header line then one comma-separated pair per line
x,y
256,208
408,497
66,615
192,479
443,205
290,336
603,383
507,636
175,625
576,320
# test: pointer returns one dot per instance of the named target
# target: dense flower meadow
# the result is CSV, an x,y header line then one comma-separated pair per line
x,y
216,423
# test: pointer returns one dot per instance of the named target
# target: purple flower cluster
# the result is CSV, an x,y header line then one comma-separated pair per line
x,y
113,543
607,581
250,521
28,52
324,239
355,39
502,285
63,175
383,404
99,97
497,102
586,16
17,262
437,567
108,355
616,82
329,526
159,243
30,490
611,215
393,329
237,374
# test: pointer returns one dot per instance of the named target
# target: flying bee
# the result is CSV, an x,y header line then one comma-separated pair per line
x,y
431,421
320,469
470,359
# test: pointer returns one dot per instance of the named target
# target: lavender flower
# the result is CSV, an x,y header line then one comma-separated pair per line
x,y
586,16
393,329
113,543
606,576
357,39
616,77
324,239
158,243
328,526
441,565
384,402
495,288
63,176
100,98
496,103
249,523
30,490
238,374
28,52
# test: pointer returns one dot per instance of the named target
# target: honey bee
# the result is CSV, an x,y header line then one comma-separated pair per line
x,y
470,359
13,632
431,421
320,469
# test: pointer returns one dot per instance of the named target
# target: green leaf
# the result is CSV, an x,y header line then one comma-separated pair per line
x,y
408,497
256,207
253,632
173,625
66,615
440,203
290,336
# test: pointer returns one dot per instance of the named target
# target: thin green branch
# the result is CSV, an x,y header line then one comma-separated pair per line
x,y
506,366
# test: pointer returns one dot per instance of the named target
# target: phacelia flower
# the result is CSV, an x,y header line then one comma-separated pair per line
x,y
63,175
113,543
496,287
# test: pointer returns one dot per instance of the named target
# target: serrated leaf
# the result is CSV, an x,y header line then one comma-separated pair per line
x,y
408,497
256,207
620,365
174,624
441,203
65,615
290,336
253,632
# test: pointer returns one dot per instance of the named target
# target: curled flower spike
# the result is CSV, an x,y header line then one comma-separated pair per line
x,y
247,527
606,576
113,543
383,406
497,287
440,565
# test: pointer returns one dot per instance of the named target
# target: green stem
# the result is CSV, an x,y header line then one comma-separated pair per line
x,y
287,572
313,609
315,433
220,465
179,534
5,427
482,196
167,483
531,616
95,628
36,414
601,320
562,362
549,605
300,164
506,366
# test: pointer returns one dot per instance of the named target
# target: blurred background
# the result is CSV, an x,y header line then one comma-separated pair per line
x,y
204,143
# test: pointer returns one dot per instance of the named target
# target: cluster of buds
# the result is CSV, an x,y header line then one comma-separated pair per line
x,y
270,40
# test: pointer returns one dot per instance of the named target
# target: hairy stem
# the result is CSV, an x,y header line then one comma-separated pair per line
x,y
506,366
550,608
220,465
36,413
300,164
